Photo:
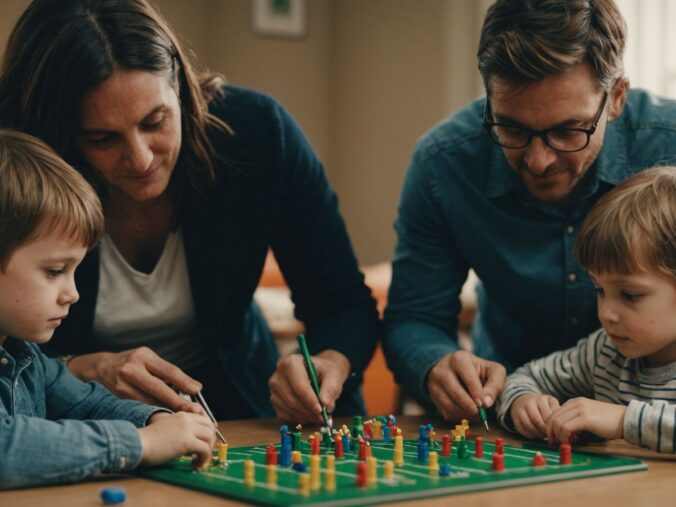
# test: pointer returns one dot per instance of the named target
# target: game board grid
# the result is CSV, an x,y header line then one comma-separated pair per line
x,y
410,482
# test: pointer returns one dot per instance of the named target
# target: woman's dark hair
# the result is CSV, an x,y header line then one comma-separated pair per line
x,y
60,49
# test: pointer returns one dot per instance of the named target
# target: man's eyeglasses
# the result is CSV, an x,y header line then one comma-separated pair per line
x,y
557,138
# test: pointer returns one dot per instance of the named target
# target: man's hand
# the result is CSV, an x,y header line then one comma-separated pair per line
x,y
460,382
168,436
139,374
291,392
582,414
530,413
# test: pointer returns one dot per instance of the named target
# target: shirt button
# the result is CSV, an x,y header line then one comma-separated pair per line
x,y
573,321
572,277
122,463
4,361
570,229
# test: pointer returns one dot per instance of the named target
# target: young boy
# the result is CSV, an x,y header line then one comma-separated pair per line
x,y
53,427
620,382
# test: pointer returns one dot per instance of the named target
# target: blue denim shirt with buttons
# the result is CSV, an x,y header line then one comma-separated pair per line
x,y
463,207
55,428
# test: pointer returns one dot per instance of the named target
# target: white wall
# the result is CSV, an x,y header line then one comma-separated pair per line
x,y
368,79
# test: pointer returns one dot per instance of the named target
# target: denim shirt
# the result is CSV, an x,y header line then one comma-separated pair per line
x,y
463,207
55,428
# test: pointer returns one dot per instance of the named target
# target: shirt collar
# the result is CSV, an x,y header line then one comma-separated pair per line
x,y
612,164
19,350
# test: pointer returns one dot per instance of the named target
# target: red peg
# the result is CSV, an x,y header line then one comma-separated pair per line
x,y
271,455
539,460
478,447
446,445
361,474
498,464
565,455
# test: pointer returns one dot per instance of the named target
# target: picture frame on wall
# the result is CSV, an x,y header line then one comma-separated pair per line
x,y
279,18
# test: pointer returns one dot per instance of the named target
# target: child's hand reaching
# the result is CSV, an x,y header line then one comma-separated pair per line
x,y
531,412
168,436
582,414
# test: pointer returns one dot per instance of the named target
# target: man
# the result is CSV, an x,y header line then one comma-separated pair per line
x,y
503,186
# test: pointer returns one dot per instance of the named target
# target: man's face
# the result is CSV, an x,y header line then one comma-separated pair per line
x,y
571,99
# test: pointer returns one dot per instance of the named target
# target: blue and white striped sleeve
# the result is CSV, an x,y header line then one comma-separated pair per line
x,y
565,374
651,424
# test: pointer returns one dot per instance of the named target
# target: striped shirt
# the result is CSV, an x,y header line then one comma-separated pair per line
x,y
595,369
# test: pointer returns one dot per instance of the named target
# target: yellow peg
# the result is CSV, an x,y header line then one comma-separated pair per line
x,y
388,470
315,470
271,476
249,476
303,484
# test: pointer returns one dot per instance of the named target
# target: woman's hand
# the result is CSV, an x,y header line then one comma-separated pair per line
x,y
139,374
291,391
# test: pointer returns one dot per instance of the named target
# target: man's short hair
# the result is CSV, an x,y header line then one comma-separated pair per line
x,y
633,227
525,41
40,192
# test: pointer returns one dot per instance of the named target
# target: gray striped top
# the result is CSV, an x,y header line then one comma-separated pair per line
x,y
594,368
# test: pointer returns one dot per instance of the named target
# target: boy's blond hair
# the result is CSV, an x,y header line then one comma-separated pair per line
x,y
633,227
39,192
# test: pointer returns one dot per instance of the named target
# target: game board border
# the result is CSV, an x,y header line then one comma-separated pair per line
x,y
640,465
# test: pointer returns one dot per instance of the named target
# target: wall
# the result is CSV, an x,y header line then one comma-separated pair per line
x,y
296,72
368,79
366,82
392,82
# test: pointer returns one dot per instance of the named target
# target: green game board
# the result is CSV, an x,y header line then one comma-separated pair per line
x,y
410,481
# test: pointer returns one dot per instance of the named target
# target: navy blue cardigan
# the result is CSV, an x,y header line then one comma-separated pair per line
x,y
270,191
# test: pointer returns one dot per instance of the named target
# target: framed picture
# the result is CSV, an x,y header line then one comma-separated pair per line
x,y
279,18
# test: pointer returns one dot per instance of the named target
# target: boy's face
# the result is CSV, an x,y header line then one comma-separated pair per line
x,y
37,286
638,312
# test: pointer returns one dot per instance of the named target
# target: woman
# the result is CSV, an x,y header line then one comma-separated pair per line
x,y
198,180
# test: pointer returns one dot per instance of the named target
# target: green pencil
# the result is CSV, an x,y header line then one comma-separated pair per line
x,y
482,417
312,373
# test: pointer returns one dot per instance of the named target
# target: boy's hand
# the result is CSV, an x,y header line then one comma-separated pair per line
x,y
168,436
460,382
139,374
530,413
291,392
582,414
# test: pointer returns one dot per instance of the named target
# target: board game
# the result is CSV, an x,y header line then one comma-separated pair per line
x,y
364,468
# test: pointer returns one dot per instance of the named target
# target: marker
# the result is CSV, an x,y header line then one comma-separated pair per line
x,y
312,373
482,417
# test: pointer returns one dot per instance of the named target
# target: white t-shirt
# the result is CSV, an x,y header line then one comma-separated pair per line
x,y
155,309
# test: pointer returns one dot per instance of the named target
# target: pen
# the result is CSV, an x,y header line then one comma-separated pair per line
x,y
482,417
312,373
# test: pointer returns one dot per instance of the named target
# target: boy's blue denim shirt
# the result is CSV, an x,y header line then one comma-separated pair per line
x,y
463,207
55,428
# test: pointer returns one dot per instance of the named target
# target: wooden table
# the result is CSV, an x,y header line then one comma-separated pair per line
x,y
654,487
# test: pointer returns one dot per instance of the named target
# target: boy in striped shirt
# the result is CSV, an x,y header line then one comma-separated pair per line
x,y
619,382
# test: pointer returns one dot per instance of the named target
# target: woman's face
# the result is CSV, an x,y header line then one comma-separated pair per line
x,y
130,133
